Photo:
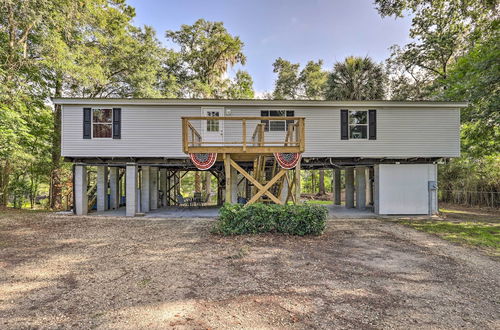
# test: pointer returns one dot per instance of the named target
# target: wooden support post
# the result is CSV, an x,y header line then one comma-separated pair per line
x,y
297,183
302,140
234,186
227,169
220,191
291,189
261,135
185,134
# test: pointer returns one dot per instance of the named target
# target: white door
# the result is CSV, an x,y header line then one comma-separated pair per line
x,y
213,129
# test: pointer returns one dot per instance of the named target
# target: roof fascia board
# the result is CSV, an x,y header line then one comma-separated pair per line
x,y
271,103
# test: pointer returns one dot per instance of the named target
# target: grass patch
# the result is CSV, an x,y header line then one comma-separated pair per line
x,y
316,202
480,234
144,282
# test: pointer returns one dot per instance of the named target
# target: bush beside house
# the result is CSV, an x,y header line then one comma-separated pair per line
x,y
235,219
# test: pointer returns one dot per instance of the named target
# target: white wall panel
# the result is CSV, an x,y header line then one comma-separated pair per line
x,y
403,188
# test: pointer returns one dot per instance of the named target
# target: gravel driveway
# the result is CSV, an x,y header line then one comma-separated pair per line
x,y
96,272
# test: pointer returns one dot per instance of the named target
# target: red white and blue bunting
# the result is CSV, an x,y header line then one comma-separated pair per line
x,y
203,161
287,160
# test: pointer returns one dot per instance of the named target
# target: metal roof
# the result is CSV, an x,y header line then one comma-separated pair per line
x,y
255,102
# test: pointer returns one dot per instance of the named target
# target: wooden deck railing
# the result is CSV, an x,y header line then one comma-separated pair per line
x,y
292,139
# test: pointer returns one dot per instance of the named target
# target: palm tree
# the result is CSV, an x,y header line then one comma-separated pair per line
x,y
356,78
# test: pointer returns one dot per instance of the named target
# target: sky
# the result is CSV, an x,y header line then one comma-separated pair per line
x,y
296,30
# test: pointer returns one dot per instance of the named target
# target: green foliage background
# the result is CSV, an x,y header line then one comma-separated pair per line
x,y
90,48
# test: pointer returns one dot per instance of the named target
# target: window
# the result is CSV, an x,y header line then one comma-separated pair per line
x,y
277,125
102,123
212,125
358,124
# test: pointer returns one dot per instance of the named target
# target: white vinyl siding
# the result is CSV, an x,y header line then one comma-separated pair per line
x,y
401,133
146,131
155,131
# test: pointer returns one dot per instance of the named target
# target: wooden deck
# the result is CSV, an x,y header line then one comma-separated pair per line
x,y
269,135
259,142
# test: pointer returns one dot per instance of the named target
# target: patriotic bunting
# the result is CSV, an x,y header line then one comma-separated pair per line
x,y
287,160
203,161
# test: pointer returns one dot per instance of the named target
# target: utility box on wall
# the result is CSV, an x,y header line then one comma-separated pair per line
x,y
433,187
405,189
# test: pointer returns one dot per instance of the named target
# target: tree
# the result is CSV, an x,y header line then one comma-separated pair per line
x,y
309,84
97,52
287,84
475,78
406,82
22,84
66,48
455,55
241,87
443,30
356,78
321,180
313,80
207,50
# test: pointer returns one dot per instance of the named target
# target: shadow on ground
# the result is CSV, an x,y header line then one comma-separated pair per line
x,y
62,271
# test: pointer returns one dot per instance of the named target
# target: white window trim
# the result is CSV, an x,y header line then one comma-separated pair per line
x,y
269,110
349,125
92,126
210,124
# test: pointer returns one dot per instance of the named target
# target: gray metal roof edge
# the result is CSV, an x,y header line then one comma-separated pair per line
x,y
255,102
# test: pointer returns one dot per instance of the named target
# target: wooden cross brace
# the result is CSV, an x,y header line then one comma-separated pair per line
x,y
262,189
291,186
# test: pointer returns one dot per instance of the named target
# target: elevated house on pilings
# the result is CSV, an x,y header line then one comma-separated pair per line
x,y
385,151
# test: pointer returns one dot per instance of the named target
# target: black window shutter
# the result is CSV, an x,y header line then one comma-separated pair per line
x,y
87,123
344,129
117,123
372,124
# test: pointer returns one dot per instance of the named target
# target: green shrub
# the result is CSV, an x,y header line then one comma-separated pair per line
x,y
235,219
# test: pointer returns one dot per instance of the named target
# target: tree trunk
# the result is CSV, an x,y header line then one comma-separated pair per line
x,y
4,183
208,181
321,182
55,176
197,181
313,181
33,191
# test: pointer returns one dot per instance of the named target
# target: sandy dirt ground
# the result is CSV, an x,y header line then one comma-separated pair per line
x,y
117,273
